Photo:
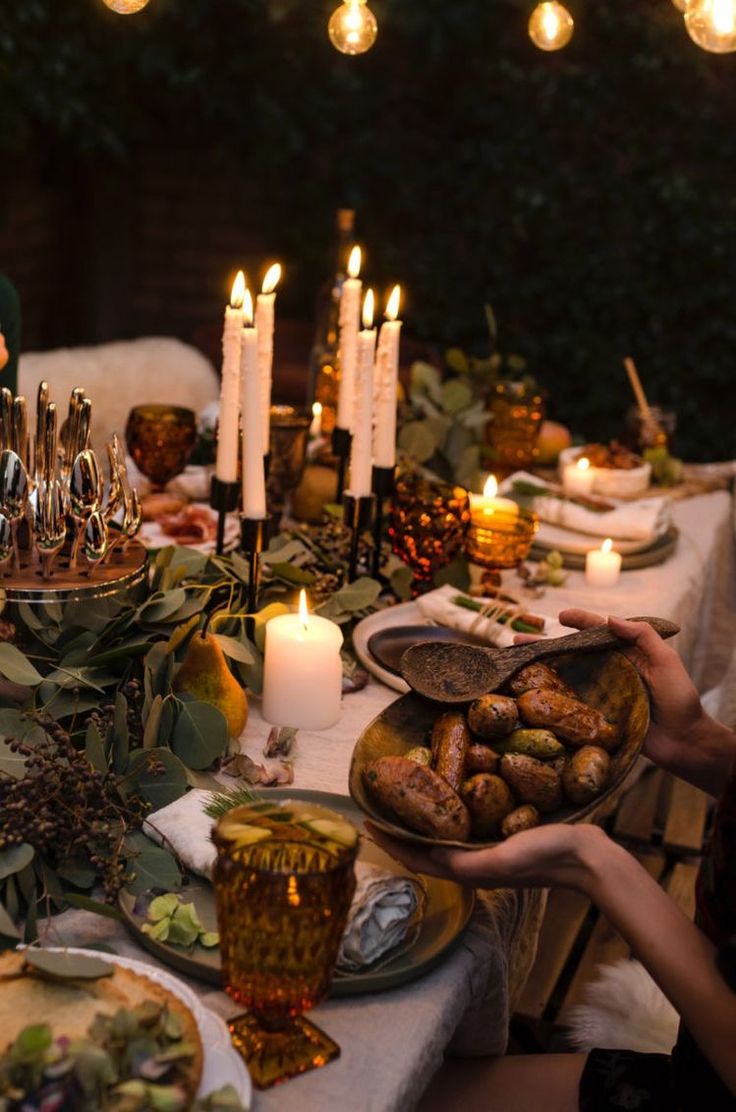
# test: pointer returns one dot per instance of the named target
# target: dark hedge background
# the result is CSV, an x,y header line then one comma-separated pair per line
x,y
588,195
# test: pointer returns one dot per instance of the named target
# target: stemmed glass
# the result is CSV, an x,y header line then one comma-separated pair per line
x,y
283,884
160,439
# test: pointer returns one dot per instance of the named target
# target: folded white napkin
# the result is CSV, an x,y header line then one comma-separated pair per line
x,y
386,907
640,519
439,608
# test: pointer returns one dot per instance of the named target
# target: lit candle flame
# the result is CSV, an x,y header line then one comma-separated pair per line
x,y
368,309
248,308
490,489
393,303
607,545
354,262
583,463
271,281
303,612
317,409
238,291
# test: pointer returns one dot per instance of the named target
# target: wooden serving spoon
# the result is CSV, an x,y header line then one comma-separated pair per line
x,y
455,673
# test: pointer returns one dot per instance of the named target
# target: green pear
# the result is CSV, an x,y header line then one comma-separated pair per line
x,y
204,674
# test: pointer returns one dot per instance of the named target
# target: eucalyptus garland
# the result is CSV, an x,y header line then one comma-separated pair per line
x,y
92,734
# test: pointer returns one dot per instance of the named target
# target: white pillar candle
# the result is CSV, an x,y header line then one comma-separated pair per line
x,y
254,478
352,289
578,478
387,377
484,506
302,678
226,462
603,565
361,448
265,313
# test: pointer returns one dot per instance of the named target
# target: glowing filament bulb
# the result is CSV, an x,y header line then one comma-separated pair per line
x,y
550,26
125,7
712,24
352,27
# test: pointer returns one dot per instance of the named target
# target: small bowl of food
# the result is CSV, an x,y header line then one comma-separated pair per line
x,y
617,471
550,747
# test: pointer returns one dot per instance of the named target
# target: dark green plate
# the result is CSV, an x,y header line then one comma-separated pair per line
x,y
446,915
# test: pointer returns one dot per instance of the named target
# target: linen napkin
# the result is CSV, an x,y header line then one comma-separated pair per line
x,y
439,608
642,519
386,910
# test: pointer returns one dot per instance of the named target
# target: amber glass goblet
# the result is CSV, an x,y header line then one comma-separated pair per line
x,y
427,525
160,439
283,884
516,414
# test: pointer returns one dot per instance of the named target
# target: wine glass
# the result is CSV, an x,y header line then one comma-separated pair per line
x,y
427,525
283,884
160,439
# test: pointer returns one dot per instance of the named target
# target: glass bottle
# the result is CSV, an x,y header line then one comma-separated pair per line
x,y
323,360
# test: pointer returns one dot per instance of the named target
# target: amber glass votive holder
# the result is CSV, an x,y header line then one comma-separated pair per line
x,y
283,880
516,414
427,525
501,539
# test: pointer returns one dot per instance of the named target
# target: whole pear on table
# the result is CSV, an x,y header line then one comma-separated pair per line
x,y
205,675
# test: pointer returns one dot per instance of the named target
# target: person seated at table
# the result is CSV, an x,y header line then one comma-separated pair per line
x,y
9,334
694,965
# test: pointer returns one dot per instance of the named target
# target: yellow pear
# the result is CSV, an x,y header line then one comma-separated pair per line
x,y
204,674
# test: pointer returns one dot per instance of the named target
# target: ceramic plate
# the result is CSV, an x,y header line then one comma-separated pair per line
x,y
222,1064
569,541
393,617
654,553
447,912
607,681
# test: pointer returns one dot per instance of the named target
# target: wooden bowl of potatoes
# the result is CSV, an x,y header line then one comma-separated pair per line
x,y
550,746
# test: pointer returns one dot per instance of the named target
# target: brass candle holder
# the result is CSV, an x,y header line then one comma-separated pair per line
x,y
501,538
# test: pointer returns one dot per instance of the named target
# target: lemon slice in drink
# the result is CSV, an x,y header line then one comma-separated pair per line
x,y
337,830
243,834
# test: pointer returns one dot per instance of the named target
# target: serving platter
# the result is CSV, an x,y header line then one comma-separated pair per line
x,y
607,681
447,911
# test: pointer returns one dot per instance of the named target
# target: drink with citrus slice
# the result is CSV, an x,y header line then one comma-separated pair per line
x,y
283,884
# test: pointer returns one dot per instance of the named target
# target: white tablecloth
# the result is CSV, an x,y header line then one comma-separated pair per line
x,y
392,1042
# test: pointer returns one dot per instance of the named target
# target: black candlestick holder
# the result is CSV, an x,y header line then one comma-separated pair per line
x,y
341,440
255,533
223,499
357,516
383,488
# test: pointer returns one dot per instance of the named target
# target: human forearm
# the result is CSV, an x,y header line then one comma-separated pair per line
x,y
677,954
703,754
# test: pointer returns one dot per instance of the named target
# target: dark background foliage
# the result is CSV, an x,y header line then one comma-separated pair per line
x,y
588,195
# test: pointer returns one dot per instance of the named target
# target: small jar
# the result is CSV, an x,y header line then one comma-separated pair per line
x,y
501,539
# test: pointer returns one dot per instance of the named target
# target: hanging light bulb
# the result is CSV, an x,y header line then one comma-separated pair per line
x,y
125,7
550,26
352,27
712,24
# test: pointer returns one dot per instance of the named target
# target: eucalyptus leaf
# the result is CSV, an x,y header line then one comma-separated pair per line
x,y
97,907
7,927
94,748
401,580
16,667
426,378
60,965
284,551
200,734
241,567
79,873
457,574
358,595
417,441
162,605
158,775
457,360
291,573
193,562
14,859
150,732
152,867
234,648
251,675
456,395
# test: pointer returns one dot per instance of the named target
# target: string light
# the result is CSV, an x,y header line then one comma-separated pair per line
x,y
550,26
126,7
712,24
352,27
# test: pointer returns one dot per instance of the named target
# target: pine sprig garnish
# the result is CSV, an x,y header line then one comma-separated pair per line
x,y
220,803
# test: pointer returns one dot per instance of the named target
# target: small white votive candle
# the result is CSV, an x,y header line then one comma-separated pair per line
x,y
302,679
578,478
603,565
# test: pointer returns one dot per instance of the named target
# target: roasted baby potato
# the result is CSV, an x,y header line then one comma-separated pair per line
x,y
481,758
489,800
570,719
539,675
531,781
541,744
587,774
418,797
492,716
450,740
522,818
